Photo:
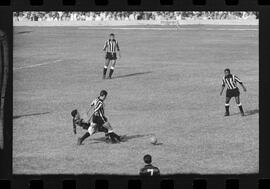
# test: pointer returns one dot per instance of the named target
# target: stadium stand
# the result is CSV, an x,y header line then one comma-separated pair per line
x,y
129,16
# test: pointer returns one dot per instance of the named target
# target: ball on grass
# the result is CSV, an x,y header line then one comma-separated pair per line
x,y
153,140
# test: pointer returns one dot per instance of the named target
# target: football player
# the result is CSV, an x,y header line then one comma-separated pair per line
x,y
111,47
149,169
86,124
232,90
98,120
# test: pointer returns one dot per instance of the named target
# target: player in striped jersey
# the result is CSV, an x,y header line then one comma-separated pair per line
x,y
85,124
98,120
111,47
232,90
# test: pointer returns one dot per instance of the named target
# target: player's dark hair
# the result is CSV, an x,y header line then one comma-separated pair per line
x,y
227,70
103,93
74,112
147,159
111,34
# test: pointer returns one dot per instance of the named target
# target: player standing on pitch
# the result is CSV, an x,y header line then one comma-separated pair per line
x,y
111,47
232,90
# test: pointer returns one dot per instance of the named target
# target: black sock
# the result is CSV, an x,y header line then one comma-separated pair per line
x,y
111,72
241,109
116,136
227,109
104,71
85,136
107,135
112,137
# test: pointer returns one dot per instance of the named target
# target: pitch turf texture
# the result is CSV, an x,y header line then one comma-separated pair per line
x,y
166,84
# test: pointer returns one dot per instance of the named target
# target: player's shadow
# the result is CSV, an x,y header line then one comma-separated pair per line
x,y
248,112
251,112
130,75
158,144
27,115
125,138
23,32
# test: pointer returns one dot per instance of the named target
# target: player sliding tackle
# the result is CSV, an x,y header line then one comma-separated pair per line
x,y
97,121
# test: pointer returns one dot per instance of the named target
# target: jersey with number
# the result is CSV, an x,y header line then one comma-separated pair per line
x,y
149,170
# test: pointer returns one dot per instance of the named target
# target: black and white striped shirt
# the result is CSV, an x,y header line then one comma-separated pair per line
x,y
231,81
98,108
111,46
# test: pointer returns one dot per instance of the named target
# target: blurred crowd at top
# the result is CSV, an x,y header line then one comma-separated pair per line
x,y
129,16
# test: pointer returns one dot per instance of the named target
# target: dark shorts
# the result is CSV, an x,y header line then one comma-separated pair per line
x,y
111,56
232,93
98,120
102,129
85,125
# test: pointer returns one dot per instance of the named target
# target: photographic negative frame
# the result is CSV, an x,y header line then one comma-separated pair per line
x,y
249,180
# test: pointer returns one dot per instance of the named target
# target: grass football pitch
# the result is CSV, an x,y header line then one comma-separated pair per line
x,y
166,84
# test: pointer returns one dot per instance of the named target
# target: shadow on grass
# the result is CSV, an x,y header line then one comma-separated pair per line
x,y
252,112
23,32
248,112
125,138
26,115
158,144
130,75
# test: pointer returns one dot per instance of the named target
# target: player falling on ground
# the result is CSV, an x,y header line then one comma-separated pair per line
x,y
111,47
232,90
98,120
149,169
86,124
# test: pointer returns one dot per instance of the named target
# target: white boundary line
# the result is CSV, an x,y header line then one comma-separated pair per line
x,y
136,28
36,65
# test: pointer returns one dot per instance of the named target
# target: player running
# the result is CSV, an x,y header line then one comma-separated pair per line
x,y
111,47
149,169
232,90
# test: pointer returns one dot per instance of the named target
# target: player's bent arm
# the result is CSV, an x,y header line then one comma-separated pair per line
x,y
105,46
119,54
244,88
98,107
74,127
222,88
89,109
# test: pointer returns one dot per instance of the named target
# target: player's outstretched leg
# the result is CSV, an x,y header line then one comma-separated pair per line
x,y
115,136
227,106
237,99
81,139
91,130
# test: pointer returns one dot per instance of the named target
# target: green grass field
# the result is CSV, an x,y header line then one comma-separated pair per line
x,y
167,83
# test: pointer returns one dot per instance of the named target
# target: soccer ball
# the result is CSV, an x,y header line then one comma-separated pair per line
x,y
153,140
